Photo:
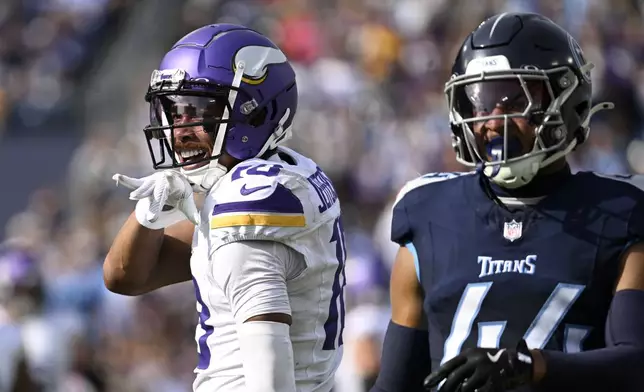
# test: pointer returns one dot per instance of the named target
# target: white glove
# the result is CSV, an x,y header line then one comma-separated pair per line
x,y
163,188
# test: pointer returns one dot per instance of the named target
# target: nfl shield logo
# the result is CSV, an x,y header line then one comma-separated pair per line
x,y
512,231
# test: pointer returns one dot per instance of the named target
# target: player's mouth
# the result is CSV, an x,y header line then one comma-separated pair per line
x,y
193,158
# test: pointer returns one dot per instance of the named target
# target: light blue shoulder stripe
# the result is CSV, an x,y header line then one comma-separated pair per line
x,y
413,251
427,179
417,183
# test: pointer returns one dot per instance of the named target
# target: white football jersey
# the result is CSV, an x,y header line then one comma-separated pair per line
x,y
292,204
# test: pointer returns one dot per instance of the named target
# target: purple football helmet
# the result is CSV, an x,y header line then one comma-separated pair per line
x,y
230,85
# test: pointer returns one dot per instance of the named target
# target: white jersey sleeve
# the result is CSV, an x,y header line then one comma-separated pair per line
x,y
253,275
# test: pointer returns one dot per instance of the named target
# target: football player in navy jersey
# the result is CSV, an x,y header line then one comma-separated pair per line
x,y
517,276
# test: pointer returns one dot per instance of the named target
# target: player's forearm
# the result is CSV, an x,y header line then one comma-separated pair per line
x,y
405,360
267,350
617,367
131,258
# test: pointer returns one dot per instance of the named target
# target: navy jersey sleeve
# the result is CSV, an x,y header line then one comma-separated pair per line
x,y
401,226
401,232
636,223
635,229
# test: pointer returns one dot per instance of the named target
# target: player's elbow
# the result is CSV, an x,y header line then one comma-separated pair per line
x,y
118,281
115,283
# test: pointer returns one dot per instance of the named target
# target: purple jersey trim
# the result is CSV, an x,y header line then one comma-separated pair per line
x,y
281,201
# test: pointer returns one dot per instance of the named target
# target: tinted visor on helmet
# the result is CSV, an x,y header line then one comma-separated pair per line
x,y
185,127
479,99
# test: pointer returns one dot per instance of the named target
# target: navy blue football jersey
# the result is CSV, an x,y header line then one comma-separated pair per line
x,y
544,271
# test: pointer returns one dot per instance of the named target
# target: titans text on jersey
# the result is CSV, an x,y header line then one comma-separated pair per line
x,y
521,266
551,282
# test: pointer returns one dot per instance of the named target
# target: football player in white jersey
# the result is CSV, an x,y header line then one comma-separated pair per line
x,y
266,251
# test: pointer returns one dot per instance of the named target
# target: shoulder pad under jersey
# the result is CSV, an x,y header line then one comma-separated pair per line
x,y
266,200
427,179
634,188
636,180
401,229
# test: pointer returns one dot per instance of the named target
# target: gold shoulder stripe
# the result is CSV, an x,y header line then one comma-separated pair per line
x,y
217,222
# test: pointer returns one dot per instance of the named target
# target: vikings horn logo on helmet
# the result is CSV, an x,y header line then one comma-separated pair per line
x,y
256,60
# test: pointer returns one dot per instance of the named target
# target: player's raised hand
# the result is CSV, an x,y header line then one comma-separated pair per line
x,y
484,370
164,198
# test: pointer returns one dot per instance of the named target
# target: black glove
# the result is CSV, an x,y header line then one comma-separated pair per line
x,y
484,370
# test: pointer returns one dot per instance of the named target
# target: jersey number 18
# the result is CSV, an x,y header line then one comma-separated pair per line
x,y
333,326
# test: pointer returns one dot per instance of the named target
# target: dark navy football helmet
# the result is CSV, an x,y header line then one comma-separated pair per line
x,y
537,71
232,81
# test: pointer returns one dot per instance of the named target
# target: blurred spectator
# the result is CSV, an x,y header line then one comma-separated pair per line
x,y
44,47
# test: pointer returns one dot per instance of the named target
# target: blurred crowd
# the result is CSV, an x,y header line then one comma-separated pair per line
x,y
44,45
372,114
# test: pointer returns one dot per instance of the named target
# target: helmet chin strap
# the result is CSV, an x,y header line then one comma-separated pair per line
x,y
520,173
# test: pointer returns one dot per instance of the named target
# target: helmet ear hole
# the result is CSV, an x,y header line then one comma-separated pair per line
x,y
581,110
258,118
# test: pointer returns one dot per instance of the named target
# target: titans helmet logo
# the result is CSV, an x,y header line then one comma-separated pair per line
x,y
256,60
578,56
